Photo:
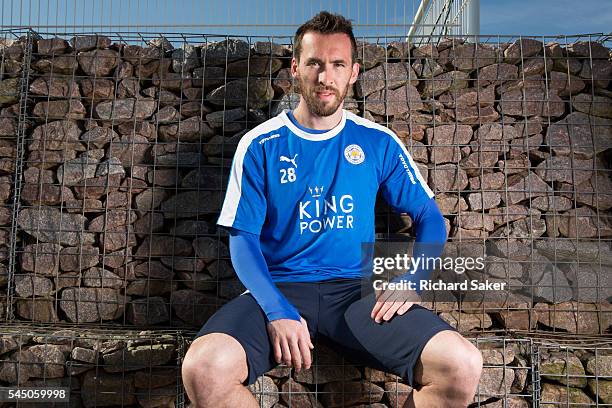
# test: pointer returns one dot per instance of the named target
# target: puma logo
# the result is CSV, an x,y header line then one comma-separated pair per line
x,y
288,160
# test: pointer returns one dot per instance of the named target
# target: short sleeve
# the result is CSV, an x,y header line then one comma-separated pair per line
x,y
402,184
244,207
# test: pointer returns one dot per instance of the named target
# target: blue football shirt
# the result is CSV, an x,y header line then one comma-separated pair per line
x,y
311,195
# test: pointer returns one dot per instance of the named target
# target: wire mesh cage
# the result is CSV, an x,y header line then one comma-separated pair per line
x,y
116,150
95,367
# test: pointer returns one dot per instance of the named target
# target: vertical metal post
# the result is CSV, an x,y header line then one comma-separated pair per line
x,y
473,20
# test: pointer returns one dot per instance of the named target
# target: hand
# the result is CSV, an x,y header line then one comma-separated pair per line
x,y
390,302
291,342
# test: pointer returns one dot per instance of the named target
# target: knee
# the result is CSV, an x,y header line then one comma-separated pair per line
x,y
213,362
465,363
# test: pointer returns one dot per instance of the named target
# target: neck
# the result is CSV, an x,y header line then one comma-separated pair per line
x,y
311,121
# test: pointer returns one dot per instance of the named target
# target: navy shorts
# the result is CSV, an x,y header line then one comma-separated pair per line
x,y
339,312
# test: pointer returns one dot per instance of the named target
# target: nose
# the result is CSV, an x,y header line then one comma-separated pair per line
x,y
325,76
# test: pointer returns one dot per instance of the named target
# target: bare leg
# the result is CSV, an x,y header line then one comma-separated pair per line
x,y
213,371
449,370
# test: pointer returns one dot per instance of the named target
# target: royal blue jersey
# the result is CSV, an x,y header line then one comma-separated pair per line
x,y
310,196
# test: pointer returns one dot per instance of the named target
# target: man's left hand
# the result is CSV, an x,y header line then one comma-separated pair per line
x,y
391,302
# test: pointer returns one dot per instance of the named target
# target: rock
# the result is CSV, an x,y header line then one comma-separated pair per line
x,y
98,63
339,394
495,381
446,140
101,278
138,357
594,192
565,169
193,307
270,48
186,58
48,224
497,73
295,394
191,228
97,89
9,91
58,135
192,204
526,187
601,388
83,305
448,178
583,222
78,258
369,55
84,354
385,76
448,81
570,316
160,245
466,321
103,389
565,85
599,73
590,135
450,204
221,52
588,49
254,93
531,102
256,66
565,369
126,109
535,66
37,310
55,88
89,42
593,105
147,288
397,393
427,68
32,285
488,181
209,78
191,129
484,200
147,312
61,64
265,392
98,136
560,394
111,220
154,270
130,150
70,109
394,102
209,249
225,118
468,57
474,220
149,200
599,365
52,46
521,49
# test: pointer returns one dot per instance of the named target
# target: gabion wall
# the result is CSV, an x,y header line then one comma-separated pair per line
x,y
115,152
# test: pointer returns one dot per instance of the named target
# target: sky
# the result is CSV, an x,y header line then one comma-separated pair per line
x,y
281,17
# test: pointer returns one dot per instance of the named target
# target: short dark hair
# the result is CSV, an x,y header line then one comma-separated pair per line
x,y
325,23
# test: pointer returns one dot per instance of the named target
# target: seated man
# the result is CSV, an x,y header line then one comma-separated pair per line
x,y
299,204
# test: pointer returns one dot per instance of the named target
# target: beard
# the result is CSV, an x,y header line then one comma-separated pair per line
x,y
315,105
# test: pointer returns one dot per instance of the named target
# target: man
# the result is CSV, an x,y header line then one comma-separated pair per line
x,y
300,201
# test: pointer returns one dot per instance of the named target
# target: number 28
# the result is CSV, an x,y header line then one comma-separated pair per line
x,y
287,175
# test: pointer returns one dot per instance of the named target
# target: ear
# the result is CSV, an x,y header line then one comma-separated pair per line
x,y
354,73
294,67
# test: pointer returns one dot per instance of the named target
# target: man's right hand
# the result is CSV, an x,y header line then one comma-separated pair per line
x,y
291,342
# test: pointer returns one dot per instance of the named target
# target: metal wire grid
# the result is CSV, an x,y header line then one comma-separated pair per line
x,y
574,373
221,161
99,367
390,17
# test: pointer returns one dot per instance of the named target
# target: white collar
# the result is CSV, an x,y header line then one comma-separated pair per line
x,y
313,136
